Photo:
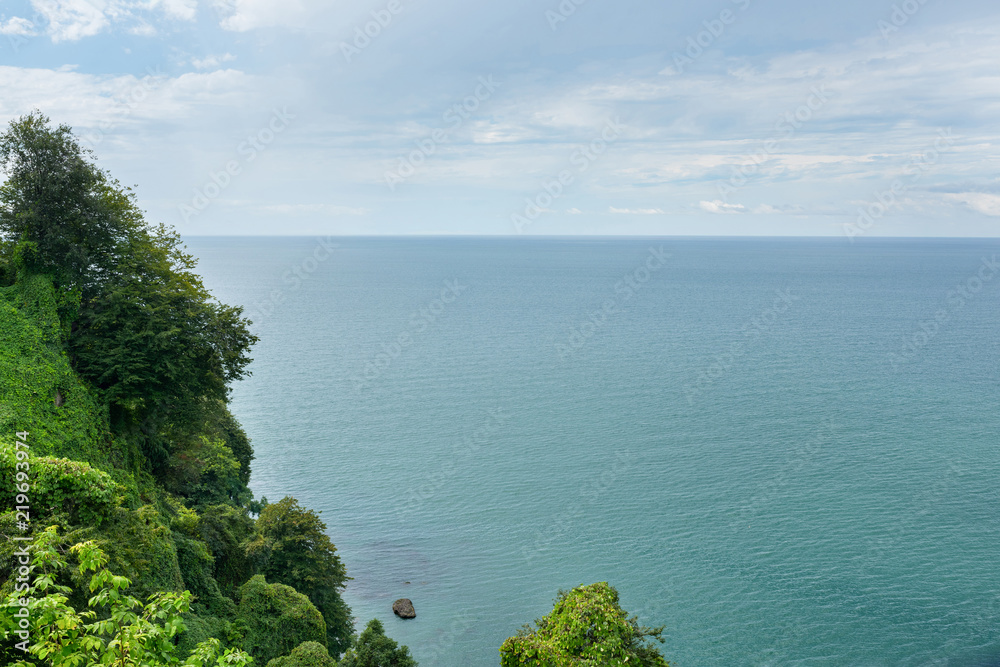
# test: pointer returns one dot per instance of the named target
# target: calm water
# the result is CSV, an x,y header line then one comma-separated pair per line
x,y
768,446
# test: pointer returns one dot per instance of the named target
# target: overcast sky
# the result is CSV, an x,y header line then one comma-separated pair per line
x,y
527,117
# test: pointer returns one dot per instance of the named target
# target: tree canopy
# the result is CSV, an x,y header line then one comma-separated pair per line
x,y
139,324
374,649
586,627
291,547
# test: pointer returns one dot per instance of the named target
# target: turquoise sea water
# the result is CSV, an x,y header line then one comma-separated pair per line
x,y
783,450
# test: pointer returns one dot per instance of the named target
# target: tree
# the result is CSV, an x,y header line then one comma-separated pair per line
x,y
306,654
291,547
155,342
139,323
56,208
276,618
130,634
587,627
374,649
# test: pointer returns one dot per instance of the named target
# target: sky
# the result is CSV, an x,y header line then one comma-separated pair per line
x,y
549,117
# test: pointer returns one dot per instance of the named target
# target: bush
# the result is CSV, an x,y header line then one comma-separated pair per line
x,y
276,619
374,649
586,627
292,547
306,654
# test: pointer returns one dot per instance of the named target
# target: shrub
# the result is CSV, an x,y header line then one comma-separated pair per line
x,y
586,627
276,619
374,649
306,654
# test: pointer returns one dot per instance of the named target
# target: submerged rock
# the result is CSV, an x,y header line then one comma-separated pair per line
x,y
403,608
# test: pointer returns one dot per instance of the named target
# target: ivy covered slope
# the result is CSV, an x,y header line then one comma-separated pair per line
x,y
117,362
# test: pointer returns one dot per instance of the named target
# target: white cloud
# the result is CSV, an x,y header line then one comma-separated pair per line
x,y
986,204
251,14
142,29
181,10
17,26
212,61
71,20
635,211
307,209
719,206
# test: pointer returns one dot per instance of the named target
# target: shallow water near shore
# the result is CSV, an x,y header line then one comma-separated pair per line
x,y
783,450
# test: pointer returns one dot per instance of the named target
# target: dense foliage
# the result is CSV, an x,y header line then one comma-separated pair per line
x,y
125,633
292,547
117,362
374,649
306,654
587,627
277,618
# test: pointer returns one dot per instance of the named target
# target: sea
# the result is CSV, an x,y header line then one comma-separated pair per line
x,y
782,450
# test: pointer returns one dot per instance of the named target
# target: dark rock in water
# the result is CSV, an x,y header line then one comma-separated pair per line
x,y
403,608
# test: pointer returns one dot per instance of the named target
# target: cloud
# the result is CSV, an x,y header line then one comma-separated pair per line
x,y
71,20
986,204
181,10
635,211
212,61
17,26
307,209
244,15
719,206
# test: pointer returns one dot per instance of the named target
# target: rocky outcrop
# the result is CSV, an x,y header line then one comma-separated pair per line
x,y
403,608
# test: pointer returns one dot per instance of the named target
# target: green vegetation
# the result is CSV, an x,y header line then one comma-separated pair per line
x,y
306,654
291,547
126,633
117,362
277,618
586,627
374,649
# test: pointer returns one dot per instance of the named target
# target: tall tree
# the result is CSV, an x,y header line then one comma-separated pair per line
x,y
141,325
58,211
291,547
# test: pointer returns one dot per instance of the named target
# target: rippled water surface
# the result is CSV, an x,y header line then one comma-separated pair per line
x,y
785,451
